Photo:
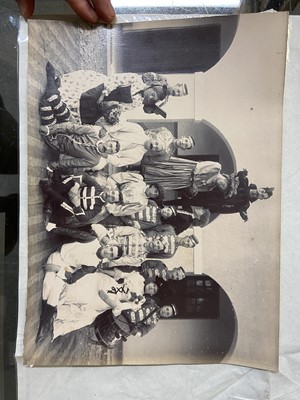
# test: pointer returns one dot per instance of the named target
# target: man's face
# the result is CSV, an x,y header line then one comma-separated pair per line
x,y
199,211
186,242
175,90
151,288
222,184
184,143
166,312
156,246
109,252
108,147
111,195
177,274
150,97
153,145
152,192
262,194
166,212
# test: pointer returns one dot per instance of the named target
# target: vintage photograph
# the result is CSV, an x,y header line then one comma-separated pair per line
x,y
154,175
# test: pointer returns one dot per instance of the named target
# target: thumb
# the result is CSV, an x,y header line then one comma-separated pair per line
x,y
26,7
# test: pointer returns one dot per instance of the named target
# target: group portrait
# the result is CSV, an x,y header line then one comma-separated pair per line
x,y
153,193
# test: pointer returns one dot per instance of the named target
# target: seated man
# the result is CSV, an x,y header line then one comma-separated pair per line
x,y
152,216
150,270
134,193
137,246
167,236
83,143
83,93
165,144
137,145
77,304
77,200
72,258
147,317
182,218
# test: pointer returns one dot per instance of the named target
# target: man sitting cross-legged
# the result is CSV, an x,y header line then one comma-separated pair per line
x,y
84,144
70,258
76,200
134,193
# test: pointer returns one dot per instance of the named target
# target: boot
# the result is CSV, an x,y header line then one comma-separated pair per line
x,y
46,320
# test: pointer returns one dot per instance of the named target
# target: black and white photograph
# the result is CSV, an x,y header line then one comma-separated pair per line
x,y
154,180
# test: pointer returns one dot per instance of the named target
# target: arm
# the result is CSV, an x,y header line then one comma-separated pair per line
x,y
90,180
119,210
127,157
84,160
161,229
121,79
153,264
101,232
206,167
143,329
128,260
123,231
152,77
115,273
69,128
127,177
75,276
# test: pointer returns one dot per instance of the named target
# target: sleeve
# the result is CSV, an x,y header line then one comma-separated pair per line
x,y
151,77
126,157
161,229
203,167
88,215
123,231
128,260
243,180
100,231
76,234
127,177
84,160
122,79
90,180
153,264
252,186
81,272
119,210
146,328
70,129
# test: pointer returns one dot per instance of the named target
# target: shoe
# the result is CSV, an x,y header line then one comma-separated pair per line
x,y
46,322
45,184
50,71
57,82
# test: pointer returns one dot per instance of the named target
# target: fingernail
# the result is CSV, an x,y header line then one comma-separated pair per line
x,y
109,19
110,14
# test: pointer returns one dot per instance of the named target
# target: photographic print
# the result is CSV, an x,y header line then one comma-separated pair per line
x,y
154,169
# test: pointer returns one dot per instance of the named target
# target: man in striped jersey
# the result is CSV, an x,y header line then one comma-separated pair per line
x,y
136,245
76,200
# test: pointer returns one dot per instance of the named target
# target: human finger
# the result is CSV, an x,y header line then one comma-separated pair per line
x,y
26,7
94,10
104,10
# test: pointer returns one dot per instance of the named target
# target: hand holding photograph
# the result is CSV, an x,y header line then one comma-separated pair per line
x,y
154,176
